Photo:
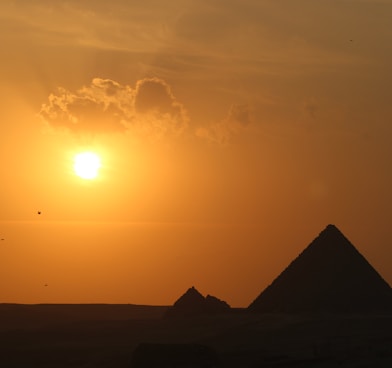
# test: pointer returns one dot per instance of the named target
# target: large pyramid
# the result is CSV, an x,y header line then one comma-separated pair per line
x,y
329,275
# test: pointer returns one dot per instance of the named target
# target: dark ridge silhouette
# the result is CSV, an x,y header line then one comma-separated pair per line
x,y
330,275
173,355
193,303
24,316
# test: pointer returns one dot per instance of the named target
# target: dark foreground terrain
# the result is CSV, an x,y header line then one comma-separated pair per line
x,y
106,336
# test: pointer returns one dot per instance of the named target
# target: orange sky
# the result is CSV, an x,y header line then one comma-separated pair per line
x,y
230,133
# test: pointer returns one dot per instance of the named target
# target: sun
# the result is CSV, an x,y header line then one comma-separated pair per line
x,y
86,165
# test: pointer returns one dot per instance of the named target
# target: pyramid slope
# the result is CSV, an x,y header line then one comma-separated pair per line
x,y
329,275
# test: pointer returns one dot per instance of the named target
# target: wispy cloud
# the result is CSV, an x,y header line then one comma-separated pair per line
x,y
239,117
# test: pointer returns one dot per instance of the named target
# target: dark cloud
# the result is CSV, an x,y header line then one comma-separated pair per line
x,y
107,106
155,104
238,118
153,94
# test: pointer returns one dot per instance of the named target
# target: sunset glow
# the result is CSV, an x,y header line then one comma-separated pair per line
x,y
176,143
87,165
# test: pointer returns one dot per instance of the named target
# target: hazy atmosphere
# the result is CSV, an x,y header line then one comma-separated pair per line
x,y
229,134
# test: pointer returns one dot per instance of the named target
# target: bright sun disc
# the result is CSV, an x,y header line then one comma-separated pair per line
x,y
86,165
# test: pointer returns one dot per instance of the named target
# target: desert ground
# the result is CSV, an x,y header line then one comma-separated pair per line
x,y
106,335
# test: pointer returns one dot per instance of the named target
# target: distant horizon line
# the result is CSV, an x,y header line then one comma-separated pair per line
x,y
136,223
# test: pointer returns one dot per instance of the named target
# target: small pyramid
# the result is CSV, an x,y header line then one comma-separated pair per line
x,y
191,299
330,275
193,303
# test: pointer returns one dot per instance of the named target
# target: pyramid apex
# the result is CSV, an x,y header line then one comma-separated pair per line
x,y
331,231
191,295
331,227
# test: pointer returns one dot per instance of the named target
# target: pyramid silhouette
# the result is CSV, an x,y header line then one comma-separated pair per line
x,y
190,300
192,303
330,275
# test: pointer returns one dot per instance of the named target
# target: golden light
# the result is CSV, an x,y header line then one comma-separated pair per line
x,y
86,165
